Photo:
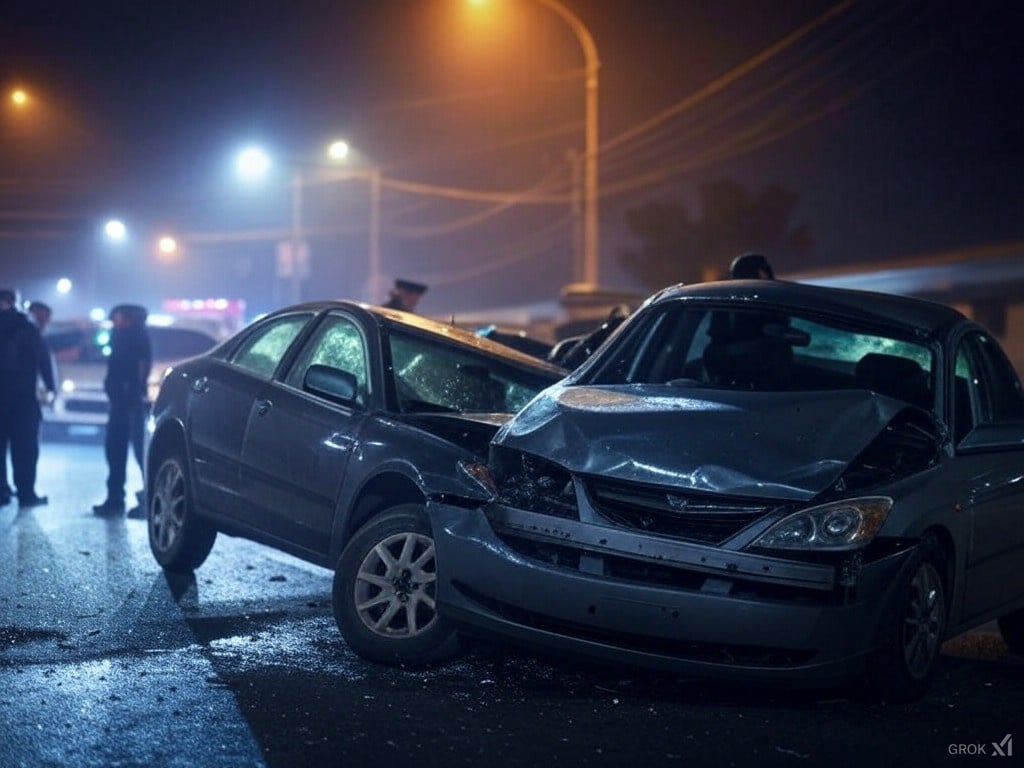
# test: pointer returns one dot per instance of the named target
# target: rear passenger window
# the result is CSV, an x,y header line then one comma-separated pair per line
x,y
262,350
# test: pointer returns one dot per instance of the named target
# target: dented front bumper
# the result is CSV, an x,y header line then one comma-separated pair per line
x,y
617,594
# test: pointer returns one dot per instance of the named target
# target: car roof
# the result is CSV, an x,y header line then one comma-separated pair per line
x,y
919,314
397,318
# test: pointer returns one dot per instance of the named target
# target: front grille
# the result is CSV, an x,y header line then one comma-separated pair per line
x,y
701,518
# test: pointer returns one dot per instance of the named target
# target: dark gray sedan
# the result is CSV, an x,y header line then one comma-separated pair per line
x,y
756,480
323,430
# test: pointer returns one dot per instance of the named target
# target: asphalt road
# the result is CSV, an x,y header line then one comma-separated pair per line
x,y
105,662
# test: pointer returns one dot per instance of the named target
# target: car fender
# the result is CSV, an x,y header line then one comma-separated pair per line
x,y
399,457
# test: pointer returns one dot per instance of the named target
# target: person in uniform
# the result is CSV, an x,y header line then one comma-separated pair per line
x,y
406,295
24,358
126,385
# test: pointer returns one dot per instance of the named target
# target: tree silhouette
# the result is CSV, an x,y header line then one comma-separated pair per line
x,y
677,247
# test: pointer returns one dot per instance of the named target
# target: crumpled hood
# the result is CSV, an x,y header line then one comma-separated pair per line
x,y
785,445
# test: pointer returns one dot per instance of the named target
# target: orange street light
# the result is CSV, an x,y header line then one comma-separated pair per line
x,y
19,98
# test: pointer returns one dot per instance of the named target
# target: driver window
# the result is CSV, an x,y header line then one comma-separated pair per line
x,y
985,388
337,343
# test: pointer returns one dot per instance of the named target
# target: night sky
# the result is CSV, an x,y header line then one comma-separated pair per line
x,y
898,123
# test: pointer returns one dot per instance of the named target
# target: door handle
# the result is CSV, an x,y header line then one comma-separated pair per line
x,y
263,407
200,385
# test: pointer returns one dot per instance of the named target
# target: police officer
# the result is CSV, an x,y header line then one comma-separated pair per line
x,y
23,358
406,295
126,385
751,266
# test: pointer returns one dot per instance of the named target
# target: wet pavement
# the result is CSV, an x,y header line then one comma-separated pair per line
x,y
106,662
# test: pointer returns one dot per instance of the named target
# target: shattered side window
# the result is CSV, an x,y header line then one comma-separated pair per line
x,y
438,377
262,350
337,343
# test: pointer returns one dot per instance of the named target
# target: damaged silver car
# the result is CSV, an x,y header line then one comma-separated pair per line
x,y
755,480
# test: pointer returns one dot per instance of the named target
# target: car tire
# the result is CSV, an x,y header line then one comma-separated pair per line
x,y
385,588
902,670
179,539
1012,628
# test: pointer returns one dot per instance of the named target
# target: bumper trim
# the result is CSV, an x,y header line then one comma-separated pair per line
x,y
599,539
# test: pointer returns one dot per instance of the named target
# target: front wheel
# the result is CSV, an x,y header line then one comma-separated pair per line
x,y
385,592
903,669
178,538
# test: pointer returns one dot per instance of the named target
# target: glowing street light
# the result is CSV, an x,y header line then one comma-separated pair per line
x,y
167,245
64,286
19,97
115,230
252,163
338,150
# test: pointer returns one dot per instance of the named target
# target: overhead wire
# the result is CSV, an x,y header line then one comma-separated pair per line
x,y
737,72
523,250
471,219
668,138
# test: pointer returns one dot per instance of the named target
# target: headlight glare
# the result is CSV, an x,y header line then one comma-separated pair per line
x,y
844,524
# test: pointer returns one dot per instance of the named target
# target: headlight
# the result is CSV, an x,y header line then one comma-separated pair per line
x,y
840,525
480,475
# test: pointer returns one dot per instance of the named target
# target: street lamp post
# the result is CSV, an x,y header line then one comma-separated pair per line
x,y
591,234
253,164
339,151
591,251
374,258
296,238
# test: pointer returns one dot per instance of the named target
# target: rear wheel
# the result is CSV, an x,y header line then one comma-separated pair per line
x,y
178,538
903,669
385,591
1012,627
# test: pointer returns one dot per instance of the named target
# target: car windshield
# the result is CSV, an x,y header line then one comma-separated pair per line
x,y
766,350
431,375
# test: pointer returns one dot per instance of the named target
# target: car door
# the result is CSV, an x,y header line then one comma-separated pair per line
x,y
220,402
298,441
988,424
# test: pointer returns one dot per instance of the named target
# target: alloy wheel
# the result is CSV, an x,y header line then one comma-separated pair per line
x,y
924,621
395,586
167,509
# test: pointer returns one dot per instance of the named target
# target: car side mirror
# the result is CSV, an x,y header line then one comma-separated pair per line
x,y
332,383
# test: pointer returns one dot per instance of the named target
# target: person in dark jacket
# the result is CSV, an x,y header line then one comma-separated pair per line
x,y
406,295
126,385
23,359
751,266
